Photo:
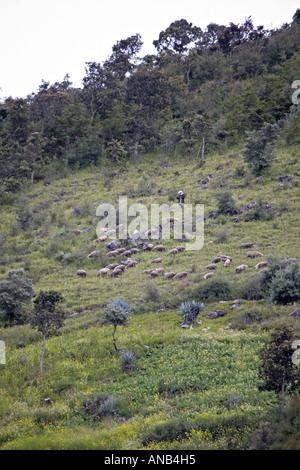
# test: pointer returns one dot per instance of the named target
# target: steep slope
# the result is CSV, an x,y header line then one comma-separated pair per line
x,y
192,388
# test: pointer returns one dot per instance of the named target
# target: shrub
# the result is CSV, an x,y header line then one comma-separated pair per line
x,y
144,185
260,212
167,431
281,432
253,290
23,216
274,264
152,292
246,317
285,287
226,203
277,369
222,236
14,294
101,406
213,289
172,193
281,280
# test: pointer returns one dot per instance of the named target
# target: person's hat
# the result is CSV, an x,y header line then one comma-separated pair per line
x,y
180,192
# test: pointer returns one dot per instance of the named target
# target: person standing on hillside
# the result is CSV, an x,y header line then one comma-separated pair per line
x,y
180,198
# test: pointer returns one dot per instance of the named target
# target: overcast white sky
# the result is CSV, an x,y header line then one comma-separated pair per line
x,y
45,40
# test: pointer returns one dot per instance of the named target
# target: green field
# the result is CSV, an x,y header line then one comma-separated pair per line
x,y
194,388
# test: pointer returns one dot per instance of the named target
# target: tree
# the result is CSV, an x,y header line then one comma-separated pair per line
x,y
101,87
277,368
34,150
148,93
15,292
121,61
117,314
116,152
17,124
296,17
45,318
178,37
259,146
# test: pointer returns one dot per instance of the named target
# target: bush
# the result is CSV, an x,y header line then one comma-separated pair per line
x,y
260,212
168,431
222,236
101,406
277,370
14,294
253,290
152,292
274,264
247,317
144,185
285,287
23,216
226,203
213,289
282,430
281,280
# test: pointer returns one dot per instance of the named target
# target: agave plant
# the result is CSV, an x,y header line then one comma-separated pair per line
x,y
121,303
127,360
189,311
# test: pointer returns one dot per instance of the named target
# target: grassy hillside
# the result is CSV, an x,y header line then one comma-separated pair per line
x,y
194,388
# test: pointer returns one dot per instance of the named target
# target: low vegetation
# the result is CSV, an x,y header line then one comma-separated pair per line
x,y
146,344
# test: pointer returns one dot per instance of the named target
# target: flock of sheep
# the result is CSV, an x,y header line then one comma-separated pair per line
x,y
118,269
227,261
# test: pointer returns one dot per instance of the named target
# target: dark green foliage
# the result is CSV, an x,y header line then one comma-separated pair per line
x,y
177,37
277,369
116,152
213,289
168,431
201,91
285,287
281,280
260,212
226,203
122,59
45,318
274,264
259,147
281,431
15,292
254,290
